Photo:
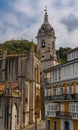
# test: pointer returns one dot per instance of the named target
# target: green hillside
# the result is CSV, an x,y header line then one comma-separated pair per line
x,y
15,46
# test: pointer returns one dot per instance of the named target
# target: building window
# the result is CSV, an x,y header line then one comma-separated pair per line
x,y
59,73
77,53
72,108
76,88
43,44
61,90
48,107
48,125
55,125
55,75
77,108
70,89
54,91
73,55
66,125
53,107
37,74
48,77
46,92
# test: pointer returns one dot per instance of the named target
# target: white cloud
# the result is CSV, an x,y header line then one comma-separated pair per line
x,y
26,17
23,6
11,18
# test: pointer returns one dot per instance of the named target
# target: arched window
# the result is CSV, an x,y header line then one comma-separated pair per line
x,y
43,44
37,74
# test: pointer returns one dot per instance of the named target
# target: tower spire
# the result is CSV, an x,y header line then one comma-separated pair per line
x,y
45,16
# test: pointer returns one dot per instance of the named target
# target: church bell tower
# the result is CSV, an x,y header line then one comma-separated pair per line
x,y
46,44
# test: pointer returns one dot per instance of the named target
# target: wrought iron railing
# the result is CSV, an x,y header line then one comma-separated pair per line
x,y
71,115
64,97
64,114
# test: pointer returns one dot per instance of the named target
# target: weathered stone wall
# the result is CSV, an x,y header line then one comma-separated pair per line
x,y
20,69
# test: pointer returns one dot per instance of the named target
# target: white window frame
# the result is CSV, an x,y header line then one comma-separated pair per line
x,y
54,92
61,90
73,108
70,90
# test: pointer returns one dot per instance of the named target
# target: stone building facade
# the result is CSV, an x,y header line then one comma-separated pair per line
x,y
19,89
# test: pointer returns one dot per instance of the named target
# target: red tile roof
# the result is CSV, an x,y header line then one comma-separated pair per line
x,y
13,85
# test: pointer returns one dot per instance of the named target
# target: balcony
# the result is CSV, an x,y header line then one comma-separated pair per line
x,y
62,98
64,114
67,115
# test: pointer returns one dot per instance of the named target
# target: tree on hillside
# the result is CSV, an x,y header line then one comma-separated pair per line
x,y
14,46
62,54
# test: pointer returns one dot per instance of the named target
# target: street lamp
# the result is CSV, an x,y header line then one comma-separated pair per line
x,y
35,121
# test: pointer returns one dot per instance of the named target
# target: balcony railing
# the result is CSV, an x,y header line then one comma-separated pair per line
x,y
67,115
64,114
64,97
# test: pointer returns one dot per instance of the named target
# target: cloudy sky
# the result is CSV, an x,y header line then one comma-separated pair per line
x,y
21,19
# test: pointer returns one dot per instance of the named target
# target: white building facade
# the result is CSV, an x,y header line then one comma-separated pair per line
x,y
61,96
